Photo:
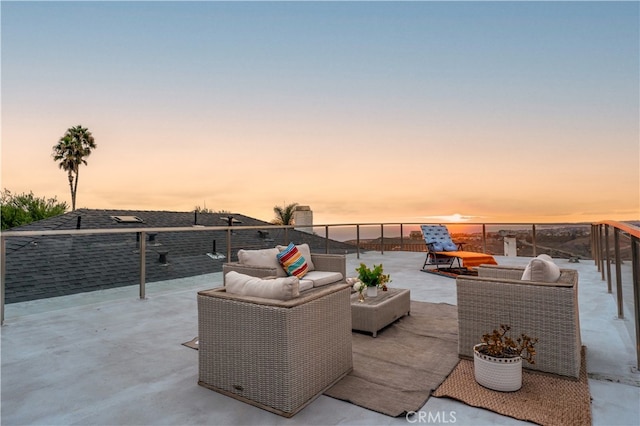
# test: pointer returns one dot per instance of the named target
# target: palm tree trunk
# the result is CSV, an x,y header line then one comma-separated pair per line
x,y
75,188
73,195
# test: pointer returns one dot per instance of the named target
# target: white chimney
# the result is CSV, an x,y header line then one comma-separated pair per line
x,y
303,219
510,247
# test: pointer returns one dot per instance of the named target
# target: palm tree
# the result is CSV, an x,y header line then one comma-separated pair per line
x,y
71,151
284,215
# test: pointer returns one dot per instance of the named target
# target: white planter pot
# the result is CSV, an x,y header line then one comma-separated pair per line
x,y
372,291
501,374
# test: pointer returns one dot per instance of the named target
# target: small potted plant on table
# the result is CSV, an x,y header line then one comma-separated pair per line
x,y
373,278
497,361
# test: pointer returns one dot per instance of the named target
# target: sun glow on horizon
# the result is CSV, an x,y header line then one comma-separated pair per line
x,y
454,218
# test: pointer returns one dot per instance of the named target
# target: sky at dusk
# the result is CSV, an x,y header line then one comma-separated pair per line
x,y
364,111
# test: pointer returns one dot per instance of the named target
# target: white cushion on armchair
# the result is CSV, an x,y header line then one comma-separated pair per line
x,y
246,285
320,278
541,268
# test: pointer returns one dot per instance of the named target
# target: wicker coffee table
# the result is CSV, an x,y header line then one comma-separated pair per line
x,y
375,313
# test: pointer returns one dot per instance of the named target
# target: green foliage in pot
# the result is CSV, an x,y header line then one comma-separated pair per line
x,y
374,277
499,345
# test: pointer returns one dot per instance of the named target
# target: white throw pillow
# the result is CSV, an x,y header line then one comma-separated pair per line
x,y
305,251
246,285
541,269
264,258
545,257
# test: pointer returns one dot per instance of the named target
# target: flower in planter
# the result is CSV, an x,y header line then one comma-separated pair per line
x,y
358,286
374,277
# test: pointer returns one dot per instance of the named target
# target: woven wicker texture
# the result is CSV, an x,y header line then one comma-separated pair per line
x,y
505,272
548,312
543,399
375,313
276,355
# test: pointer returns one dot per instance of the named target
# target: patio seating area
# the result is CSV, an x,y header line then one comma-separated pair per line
x,y
107,357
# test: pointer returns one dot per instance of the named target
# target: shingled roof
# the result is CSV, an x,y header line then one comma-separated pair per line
x,y
48,266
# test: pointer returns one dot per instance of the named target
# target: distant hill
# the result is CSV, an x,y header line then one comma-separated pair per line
x,y
560,242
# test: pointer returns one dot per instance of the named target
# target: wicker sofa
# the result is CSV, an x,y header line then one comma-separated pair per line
x,y
277,355
326,269
547,310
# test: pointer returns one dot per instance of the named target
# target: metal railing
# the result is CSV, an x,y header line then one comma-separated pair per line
x,y
329,231
406,244
531,244
141,232
604,257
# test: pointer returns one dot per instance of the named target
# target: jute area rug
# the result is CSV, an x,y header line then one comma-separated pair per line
x,y
543,399
396,372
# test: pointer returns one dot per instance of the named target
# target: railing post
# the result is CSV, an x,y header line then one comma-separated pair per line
x,y
143,263
3,272
600,249
635,259
381,238
533,240
594,245
616,247
602,256
229,244
326,239
607,257
358,241
401,239
484,238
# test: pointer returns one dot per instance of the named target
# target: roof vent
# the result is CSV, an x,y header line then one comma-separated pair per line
x,y
127,219
230,220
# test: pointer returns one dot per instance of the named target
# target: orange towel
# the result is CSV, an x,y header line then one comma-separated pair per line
x,y
470,258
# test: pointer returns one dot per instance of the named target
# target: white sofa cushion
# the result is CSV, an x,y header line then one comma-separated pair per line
x,y
305,251
320,278
305,284
542,269
245,285
263,258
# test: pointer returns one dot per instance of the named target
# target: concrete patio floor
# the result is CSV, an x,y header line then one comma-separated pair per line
x,y
109,358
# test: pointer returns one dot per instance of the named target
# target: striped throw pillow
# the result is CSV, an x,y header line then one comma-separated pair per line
x,y
292,261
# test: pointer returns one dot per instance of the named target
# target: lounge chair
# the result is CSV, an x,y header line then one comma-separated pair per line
x,y
441,250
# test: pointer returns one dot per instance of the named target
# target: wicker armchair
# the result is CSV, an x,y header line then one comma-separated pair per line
x,y
548,311
276,355
322,262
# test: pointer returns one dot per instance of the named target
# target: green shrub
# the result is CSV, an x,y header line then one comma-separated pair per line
x,y
21,209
